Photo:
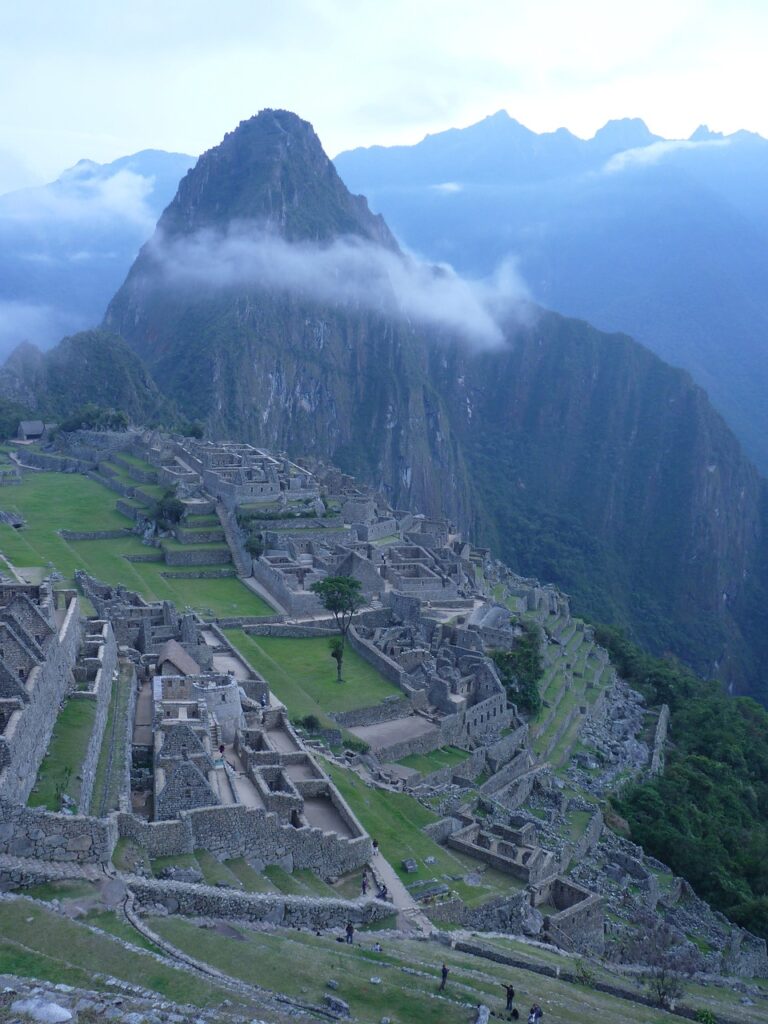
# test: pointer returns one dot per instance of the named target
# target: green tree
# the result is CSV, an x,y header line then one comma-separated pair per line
x,y
521,669
169,510
340,595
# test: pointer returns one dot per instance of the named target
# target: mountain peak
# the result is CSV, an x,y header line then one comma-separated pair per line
x,y
703,134
272,169
624,133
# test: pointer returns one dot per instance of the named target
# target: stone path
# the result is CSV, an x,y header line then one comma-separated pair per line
x,y
410,917
142,722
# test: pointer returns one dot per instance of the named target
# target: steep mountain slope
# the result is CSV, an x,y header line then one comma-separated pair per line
x,y
66,247
663,240
93,366
581,456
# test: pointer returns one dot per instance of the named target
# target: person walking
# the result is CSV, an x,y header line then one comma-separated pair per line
x,y
350,930
375,845
510,990
443,978
365,884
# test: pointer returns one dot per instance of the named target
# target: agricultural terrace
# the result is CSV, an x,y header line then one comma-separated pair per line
x,y
50,502
302,674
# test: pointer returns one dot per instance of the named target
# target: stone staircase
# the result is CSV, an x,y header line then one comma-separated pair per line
x,y
233,541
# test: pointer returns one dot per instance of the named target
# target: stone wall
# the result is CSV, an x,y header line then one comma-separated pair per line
x,y
273,908
289,629
127,744
212,535
389,709
201,574
28,731
129,510
101,693
500,752
504,776
53,463
295,602
383,664
239,831
502,914
142,476
197,556
94,534
468,769
112,483
32,832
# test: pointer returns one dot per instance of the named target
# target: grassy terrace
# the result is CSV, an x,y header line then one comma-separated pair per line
x,y
397,820
66,751
109,770
409,973
446,757
302,674
38,943
238,873
57,501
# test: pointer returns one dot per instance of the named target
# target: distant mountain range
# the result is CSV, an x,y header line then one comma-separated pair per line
x,y
66,247
273,304
665,240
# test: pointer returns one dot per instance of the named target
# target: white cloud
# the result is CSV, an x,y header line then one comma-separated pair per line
x,y
646,156
448,187
42,325
83,198
349,272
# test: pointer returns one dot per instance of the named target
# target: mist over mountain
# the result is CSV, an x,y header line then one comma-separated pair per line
x,y
65,247
270,301
662,239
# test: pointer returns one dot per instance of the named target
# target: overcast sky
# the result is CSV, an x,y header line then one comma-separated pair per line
x,y
103,78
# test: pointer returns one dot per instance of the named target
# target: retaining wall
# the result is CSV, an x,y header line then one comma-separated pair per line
x,y
273,908
28,731
94,534
383,664
101,693
32,832
197,556
239,831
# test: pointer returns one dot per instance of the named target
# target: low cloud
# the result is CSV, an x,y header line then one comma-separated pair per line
x,y
351,272
447,188
42,325
82,198
647,156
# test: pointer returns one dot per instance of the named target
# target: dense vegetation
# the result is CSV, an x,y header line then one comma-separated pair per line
x,y
707,814
521,669
95,417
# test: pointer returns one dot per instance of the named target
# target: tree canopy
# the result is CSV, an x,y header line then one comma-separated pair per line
x,y
341,596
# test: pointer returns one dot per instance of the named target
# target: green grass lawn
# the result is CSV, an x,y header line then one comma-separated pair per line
x,y
106,791
409,973
55,501
302,674
66,751
444,758
40,943
397,820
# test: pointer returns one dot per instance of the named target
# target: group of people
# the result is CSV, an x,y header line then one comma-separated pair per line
x,y
382,892
534,1014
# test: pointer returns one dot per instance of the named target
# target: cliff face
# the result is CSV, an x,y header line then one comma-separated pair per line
x,y
580,456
